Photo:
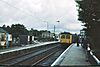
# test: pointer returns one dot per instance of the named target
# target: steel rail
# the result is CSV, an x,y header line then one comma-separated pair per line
x,y
18,60
44,58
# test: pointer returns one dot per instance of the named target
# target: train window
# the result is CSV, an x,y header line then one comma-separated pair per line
x,y
62,36
67,36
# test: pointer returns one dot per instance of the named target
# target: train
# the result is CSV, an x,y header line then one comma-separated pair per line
x,y
67,38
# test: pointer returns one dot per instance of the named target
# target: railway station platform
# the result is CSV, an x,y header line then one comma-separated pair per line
x,y
28,46
72,56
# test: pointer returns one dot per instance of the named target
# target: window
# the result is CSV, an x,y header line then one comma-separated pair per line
x,y
62,36
67,36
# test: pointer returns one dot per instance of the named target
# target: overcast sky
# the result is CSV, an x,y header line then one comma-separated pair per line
x,y
37,13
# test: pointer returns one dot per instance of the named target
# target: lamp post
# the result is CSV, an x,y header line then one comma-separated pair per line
x,y
46,29
54,31
46,25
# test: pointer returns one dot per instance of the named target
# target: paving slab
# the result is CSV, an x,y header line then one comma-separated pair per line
x,y
75,56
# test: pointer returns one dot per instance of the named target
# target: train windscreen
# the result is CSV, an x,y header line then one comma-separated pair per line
x,y
67,36
62,36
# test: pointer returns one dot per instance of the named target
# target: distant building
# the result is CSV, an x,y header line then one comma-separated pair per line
x,y
3,38
47,35
22,40
51,35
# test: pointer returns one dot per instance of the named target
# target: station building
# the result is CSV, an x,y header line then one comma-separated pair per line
x,y
5,38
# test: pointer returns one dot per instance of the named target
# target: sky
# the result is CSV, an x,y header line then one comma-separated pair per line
x,y
41,14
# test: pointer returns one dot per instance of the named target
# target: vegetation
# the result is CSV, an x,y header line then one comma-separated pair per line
x,y
16,29
89,14
19,29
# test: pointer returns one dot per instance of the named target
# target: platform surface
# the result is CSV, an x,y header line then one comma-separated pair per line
x,y
12,49
75,56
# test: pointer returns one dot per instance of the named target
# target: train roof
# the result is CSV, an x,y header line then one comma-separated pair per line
x,y
65,33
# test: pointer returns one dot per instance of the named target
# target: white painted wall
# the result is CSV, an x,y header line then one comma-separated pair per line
x,y
9,37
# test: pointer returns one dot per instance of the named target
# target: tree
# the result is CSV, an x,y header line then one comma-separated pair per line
x,y
18,29
34,32
4,27
89,13
8,29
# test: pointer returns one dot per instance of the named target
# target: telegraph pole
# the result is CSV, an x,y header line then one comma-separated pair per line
x,y
47,26
47,30
54,33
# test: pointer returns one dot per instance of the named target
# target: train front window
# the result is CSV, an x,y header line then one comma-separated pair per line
x,y
67,36
62,36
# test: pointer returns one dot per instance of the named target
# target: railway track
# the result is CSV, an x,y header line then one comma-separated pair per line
x,y
17,54
36,57
48,59
40,61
